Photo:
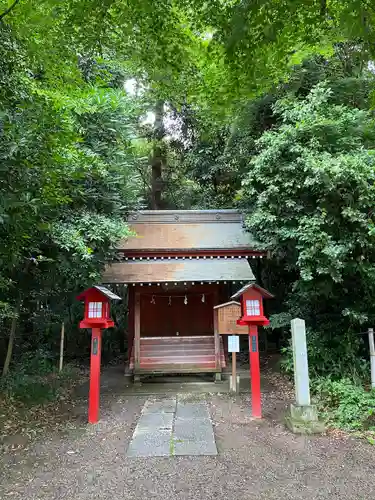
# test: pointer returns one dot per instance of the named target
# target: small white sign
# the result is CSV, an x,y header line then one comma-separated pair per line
x,y
233,343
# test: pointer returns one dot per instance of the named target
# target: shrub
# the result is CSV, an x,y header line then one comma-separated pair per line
x,y
28,389
331,355
39,362
35,380
344,404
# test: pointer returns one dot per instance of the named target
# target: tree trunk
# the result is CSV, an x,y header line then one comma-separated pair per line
x,y
12,336
157,157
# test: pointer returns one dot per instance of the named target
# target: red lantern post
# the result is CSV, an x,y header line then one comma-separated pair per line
x,y
252,297
96,317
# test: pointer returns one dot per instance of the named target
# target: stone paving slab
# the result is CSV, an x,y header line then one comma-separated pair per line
x,y
150,443
161,406
191,430
193,433
160,432
192,411
194,437
156,421
194,448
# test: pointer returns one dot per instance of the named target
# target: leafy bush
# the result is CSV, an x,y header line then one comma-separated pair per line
x,y
331,355
309,193
344,404
36,363
29,389
35,380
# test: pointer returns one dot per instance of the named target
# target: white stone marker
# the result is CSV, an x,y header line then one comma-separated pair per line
x,y
234,348
301,369
303,416
372,355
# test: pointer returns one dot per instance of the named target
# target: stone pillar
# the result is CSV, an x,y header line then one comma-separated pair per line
x,y
301,369
303,417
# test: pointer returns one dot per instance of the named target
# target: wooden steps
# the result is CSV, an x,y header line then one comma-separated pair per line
x,y
178,355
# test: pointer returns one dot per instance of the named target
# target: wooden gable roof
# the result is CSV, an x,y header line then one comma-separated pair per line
x,y
170,271
170,246
187,231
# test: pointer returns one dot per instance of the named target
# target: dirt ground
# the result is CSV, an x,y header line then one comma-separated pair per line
x,y
257,459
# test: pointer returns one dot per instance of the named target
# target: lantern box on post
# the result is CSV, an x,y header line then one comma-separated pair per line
x,y
97,307
96,317
252,296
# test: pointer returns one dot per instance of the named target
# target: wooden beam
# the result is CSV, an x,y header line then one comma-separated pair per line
x,y
130,332
137,331
217,342
229,252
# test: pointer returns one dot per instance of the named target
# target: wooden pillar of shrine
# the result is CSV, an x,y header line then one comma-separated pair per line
x,y
130,333
137,331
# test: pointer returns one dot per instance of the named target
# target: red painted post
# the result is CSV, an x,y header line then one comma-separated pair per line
x,y
96,348
256,405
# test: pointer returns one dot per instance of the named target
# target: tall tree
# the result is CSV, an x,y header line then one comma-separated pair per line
x,y
158,157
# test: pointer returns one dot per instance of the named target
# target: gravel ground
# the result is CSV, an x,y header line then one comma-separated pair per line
x,y
257,460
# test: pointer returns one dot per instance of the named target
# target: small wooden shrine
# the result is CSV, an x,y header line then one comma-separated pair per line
x,y
178,267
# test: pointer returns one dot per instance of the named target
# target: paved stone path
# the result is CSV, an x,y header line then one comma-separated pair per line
x,y
170,427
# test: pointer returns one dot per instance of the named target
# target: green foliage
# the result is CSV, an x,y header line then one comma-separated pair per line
x,y
209,159
280,320
344,404
337,355
67,179
213,55
310,193
29,390
35,379
84,233
39,362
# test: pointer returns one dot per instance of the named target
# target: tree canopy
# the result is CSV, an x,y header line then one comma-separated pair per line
x,y
213,55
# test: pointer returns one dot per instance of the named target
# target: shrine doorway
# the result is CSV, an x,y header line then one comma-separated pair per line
x,y
176,314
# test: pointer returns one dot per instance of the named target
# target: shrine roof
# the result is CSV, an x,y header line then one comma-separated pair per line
x,y
187,270
102,290
265,293
187,230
